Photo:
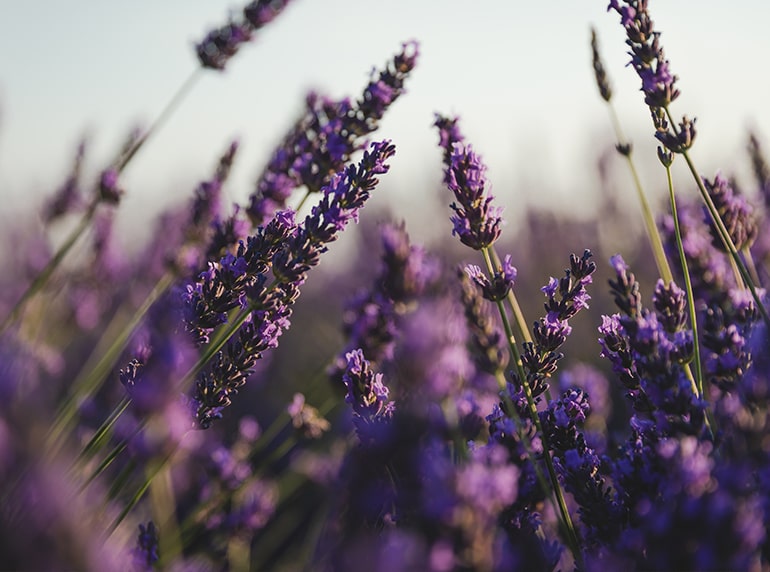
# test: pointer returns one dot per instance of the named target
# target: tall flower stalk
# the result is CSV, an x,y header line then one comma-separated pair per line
x,y
478,225
625,148
659,88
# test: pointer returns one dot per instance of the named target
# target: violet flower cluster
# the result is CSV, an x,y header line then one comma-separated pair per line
x,y
325,137
221,44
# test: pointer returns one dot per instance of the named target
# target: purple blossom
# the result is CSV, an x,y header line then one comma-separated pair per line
x,y
146,552
325,137
219,45
501,283
475,221
368,396
734,210
647,57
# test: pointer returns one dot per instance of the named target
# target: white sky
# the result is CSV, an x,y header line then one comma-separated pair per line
x,y
518,73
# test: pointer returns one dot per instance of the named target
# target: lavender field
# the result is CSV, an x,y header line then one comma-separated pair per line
x,y
295,382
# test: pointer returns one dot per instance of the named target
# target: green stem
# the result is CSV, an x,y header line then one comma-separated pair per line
x,y
164,115
649,220
151,472
94,444
698,383
565,520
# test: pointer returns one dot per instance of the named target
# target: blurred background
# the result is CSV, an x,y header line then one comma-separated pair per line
x,y
518,73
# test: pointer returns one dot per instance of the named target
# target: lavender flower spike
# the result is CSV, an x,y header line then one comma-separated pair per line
x,y
647,57
219,45
368,397
475,221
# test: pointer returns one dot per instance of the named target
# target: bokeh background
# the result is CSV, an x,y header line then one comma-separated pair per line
x,y
518,73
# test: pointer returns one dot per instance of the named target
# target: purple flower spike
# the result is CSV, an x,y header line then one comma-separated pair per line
x,y
475,221
368,396
647,57
220,45
734,210
501,283
146,551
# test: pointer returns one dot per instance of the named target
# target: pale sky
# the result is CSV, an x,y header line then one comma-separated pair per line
x,y
518,73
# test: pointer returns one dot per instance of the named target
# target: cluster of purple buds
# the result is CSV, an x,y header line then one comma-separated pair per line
x,y
734,210
368,396
648,351
219,45
647,57
476,221
496,288
372,317
325,137
242,281
650,63
566,297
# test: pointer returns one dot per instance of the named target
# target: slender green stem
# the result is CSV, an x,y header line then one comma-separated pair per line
x,y
161,119
722,230
649,220
94,444
698,384
106,462
42,277
151,472
163,504
565,520
752,268
302,201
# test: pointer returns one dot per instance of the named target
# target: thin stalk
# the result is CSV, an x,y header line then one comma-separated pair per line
x,y
698,383
302,201
163,510
106,462
565,520
656,244
95,442
513,302
721,229
151,472
43,276
164,115
752,268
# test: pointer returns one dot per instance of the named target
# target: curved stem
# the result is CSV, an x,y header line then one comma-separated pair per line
x,y
161,119
698,382
649,220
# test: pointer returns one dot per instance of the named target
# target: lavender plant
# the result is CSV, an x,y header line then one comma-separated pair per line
x,y
440,430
